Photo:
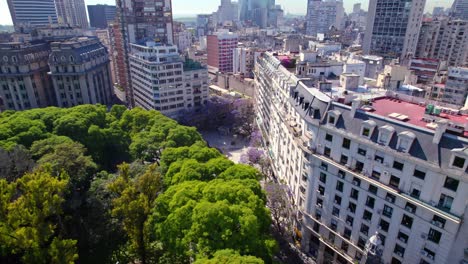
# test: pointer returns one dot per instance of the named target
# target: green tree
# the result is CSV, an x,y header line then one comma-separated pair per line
x,y
229,256
241,171
135,198
29,210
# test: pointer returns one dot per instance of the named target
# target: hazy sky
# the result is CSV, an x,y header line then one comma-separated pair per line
x,y
190,7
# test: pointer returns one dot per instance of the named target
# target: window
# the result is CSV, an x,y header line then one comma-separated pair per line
x,y
398,165
352,207
367,215
458,162
419,174
387,211
373,189
395,261
403,237
415,193
336,212
399,250
333,224
361,243
349,220
344,246
451,184
346,143
434,236
344,159
354,194
319,202
445,202
390,198
324,166
339,186
359,166
321,190
361,151
384,225
328,137
331,120
366,132
342,174
323,177
394,181
347,233
364,229
375,175
410,207
337,200
407,221
327,152
356,181
370,202
438,221
379,158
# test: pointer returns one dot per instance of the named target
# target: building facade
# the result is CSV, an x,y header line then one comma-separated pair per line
x,y
220,47
393,28
80,72
32,13
72,12
322,15
445,40
365,185
260,13
459,9
456,88
244,61
163,81
24,82
101,16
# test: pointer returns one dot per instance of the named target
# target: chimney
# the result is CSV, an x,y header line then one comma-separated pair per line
x,y
440,130
355,105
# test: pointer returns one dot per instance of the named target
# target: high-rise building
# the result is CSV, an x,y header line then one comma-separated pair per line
x,y
163,81
24,82
32,13
101,16
257,12
118,53
227,11
322,15
244,60
220,47
459,9
445,40
80,72
72,12
352,171
438,11
393,28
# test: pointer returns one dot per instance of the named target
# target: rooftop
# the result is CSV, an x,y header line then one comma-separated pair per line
x,y
415,114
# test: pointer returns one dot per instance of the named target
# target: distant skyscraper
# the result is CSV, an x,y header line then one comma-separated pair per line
x,y
72,12
393,27
460,9
438,11
100,16
34,13
321,15
227,11
259,12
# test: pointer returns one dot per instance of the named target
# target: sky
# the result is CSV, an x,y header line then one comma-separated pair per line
x,y
192,7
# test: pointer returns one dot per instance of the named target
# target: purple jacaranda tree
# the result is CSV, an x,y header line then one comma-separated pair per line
x,y
277,202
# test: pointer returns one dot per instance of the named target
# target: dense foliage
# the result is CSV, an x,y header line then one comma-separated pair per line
x,y
99,185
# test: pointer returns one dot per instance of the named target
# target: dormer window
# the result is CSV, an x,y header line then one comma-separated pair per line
x,y
367,128
385,134
459,159
405,141
333,117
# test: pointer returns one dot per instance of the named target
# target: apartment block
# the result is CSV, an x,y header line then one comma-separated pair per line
x,y
80,72
24,82
244,61
393,28
322,15
220,47
455,89
163,81
445,40
372,176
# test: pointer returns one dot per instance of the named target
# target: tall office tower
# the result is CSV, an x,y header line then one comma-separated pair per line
x,y
72,12
258,12
163,81
393,28
32,13
220,47
101,16
80,72
24,82
445,40
357,8
204,25
459,9
438,11
321,15
353,171
227,11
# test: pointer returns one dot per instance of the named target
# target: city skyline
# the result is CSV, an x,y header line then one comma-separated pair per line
x,y
182,8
